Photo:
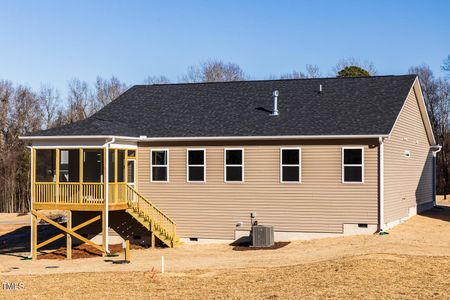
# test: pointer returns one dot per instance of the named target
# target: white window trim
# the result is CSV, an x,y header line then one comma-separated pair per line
x,y
166,165
354,165
188,165
225,165
290,165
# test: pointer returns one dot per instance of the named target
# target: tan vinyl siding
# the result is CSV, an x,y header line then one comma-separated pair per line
x,y
321,203
408,181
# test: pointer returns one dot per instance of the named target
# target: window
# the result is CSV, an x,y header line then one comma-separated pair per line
x,y
353,165
290,164
234,165
196,165
160,165
131,153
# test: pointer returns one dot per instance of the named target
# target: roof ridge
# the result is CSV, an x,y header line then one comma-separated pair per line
x,y
273,80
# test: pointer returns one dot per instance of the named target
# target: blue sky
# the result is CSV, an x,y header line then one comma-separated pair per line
x,y
54,41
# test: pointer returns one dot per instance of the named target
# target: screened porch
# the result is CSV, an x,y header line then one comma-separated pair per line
x,y
75,178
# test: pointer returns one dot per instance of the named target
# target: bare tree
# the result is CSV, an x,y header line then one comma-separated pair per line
x,y
156,80
107,90
26,112
50,100
80,101
312,71
351,61
6,92
446,66
293,75
214,71
21,115
436,93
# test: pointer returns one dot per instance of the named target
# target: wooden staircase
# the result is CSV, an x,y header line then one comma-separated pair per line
x,y
158,223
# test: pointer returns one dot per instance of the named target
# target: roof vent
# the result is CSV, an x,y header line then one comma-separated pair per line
x,y
320,89
275,103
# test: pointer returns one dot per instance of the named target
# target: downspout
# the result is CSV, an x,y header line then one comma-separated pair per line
x,y
106,145
439,148
381,188
31,198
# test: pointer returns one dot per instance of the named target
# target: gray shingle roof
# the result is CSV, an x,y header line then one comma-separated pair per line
x,y
347,106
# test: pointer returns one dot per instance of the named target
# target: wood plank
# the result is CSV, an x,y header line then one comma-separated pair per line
x,y
34,236
104,228
68,236
71,232
79,207
61,235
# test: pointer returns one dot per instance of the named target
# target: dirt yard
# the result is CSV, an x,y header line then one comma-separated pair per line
x,y
413,261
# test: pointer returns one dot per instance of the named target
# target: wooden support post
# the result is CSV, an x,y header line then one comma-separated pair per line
x,y
68,236
116,167
34,236
153,234
61,235
58,160
80,172
69,231
104,228
125,167
174,234
127,251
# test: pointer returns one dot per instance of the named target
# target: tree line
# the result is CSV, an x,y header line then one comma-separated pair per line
x,y
24,111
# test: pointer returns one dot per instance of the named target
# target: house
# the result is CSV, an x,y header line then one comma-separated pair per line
x,y
312,157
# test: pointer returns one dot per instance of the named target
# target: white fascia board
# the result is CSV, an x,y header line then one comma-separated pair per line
x,y
74,137
209,138
284,137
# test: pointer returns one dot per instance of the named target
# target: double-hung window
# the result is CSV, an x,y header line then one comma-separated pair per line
x,y
160,165
196,170
353,165
290,164
234,165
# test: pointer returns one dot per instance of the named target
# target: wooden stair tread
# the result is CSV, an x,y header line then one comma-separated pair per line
x,y
145,222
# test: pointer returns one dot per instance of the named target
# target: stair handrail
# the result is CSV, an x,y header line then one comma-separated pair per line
x,y
152,217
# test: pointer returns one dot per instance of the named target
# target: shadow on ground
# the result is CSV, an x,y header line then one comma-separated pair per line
x,y
438,212
17,241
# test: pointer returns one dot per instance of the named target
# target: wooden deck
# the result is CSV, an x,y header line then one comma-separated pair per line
x,y
79,196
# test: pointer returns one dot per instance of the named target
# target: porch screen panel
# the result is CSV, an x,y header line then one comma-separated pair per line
x,y
45,165
69,167
111,165
93,166
120,165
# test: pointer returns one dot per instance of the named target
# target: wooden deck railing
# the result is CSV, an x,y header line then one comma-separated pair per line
x,y
78,193
159,221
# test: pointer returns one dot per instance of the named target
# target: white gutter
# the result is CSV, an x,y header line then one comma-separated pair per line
x,y
31,199
106,180
206,138
381,191
282,137
72,137
438,149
